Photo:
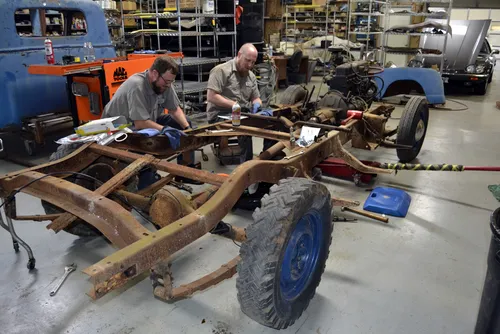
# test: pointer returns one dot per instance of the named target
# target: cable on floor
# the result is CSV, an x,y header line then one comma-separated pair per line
x,y
466,107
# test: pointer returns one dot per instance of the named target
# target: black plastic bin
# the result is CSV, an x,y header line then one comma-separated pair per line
x,y
488,318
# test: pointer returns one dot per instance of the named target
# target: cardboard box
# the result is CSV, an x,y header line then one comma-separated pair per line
x,y
183,3
102,125
128,22
129,5
319,2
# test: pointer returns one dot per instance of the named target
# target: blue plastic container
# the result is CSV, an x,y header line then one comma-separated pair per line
x,y
388,201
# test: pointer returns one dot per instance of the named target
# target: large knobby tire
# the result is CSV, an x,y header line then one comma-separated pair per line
x,y
285,253
412,128
293,94
78,227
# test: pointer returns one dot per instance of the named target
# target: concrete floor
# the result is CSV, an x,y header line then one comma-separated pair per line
x,y
420,274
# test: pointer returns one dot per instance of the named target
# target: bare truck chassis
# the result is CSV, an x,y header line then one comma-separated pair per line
x,y
141,250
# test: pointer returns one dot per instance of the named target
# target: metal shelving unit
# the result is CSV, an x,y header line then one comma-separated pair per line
x,y
203,57
324,16
374,11
439,16
190,87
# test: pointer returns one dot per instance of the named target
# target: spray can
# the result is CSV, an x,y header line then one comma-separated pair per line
x,y
49,52
236,114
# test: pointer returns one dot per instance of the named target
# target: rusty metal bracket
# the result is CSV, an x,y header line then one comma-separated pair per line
x,y
341,152
167,293
104,190
162,281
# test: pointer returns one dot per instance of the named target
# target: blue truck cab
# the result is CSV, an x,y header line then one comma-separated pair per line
x,y
25,25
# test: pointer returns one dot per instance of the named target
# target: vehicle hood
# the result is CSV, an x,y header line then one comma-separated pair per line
x,y
462,48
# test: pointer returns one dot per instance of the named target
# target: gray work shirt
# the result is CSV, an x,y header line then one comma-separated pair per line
x,y
225,80
136,100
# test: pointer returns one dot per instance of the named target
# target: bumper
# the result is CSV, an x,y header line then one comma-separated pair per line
x,y
466,79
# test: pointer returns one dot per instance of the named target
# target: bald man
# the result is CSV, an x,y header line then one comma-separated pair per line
x,y
233,82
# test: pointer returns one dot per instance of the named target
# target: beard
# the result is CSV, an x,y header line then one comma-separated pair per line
x,y
156,88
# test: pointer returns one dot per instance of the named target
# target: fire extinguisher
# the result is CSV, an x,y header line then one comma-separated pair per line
x,y
49,52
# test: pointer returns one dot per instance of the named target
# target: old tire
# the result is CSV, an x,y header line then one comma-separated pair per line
x,y
293,94
78,227
285,253
412,128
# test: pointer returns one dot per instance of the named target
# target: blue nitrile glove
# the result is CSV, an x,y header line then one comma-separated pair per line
x,y
266,112
255,107
174,136
149,132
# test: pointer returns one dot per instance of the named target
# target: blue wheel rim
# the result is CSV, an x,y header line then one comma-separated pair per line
x,y
301,255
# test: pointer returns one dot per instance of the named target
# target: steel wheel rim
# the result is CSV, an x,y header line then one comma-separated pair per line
x,y
420,130
301,255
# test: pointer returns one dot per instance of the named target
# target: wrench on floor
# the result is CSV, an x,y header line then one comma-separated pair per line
x,y
67,270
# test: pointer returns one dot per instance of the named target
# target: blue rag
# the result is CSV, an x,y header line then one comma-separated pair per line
x,y
255,107
174,136
149,132
266,112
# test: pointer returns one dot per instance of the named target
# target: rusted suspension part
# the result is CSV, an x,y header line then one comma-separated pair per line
x,y
165,291
116,223
73,162
104,190
175,169
150,190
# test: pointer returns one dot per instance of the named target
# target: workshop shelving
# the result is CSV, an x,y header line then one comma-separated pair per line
x,y
366,22
203,34
310,17
419,11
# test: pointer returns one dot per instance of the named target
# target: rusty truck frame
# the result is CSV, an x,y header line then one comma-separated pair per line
x,y
141,250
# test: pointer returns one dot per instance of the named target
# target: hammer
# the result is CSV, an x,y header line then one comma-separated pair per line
x,y
366,214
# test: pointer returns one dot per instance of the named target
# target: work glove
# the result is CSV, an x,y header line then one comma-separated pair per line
x,y
256,106
174,136
266,112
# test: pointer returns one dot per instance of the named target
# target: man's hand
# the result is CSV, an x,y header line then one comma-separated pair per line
x,y
174,136
256,106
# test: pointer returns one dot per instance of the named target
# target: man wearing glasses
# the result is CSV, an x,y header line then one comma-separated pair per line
x,y
143,97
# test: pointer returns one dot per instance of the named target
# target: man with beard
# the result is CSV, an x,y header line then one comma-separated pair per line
x,y
143,97
233,82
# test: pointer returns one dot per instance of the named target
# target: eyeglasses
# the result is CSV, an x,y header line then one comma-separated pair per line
x,y
167,82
